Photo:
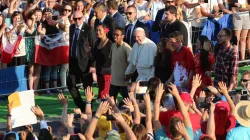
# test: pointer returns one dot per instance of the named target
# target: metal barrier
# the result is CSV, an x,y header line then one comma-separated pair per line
x,y
41,87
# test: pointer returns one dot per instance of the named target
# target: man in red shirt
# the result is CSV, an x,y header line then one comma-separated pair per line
x,y
182,63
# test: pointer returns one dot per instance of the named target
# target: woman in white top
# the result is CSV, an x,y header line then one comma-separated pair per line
x,y
64,28
142,7
155,6
12,33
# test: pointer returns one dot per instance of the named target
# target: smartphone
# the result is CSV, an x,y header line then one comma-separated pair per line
x,y
74,137
142,90
204,105
206,90
77,116
110,118
54,17
103,100
8,21
139,96
143,83
244,92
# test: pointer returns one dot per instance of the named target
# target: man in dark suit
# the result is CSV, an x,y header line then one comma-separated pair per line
x,y
82,40
134,23
160,20
113,11
102,18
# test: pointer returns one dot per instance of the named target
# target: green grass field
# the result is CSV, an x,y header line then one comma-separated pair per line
x,y
53,108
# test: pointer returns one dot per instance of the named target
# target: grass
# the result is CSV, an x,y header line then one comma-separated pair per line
x,y
52,108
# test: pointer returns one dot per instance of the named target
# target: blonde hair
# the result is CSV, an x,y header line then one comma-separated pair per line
x,y
179,13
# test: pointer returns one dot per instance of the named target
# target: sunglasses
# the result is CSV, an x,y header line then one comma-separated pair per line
x,y
67,10
245,80
80,18
129,13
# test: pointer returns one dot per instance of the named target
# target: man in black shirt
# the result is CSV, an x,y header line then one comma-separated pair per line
x,y
174,24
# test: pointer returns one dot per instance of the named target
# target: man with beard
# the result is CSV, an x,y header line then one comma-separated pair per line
x,y
226,67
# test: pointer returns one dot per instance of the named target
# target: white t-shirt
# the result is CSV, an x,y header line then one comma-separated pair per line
x,y
21,48
141,9
156,6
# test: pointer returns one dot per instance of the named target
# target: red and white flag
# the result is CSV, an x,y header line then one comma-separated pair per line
x,y
12,47
52,50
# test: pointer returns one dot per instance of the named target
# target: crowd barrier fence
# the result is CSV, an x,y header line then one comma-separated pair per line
x,y
41,84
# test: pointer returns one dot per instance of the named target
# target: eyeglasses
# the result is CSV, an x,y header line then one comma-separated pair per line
x,y
245,80
80,18
67,10
129,13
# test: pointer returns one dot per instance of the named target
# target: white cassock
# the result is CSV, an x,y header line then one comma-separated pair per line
x,y
142,58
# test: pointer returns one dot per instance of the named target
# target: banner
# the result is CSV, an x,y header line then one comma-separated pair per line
x,y
52,50
13,79
21,113
15,46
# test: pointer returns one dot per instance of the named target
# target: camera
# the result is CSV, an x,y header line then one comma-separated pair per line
x,y
140,96
110,118
143,83
204,105
242,91
77,116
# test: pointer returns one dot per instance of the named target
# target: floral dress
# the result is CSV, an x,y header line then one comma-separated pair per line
x,y
30,46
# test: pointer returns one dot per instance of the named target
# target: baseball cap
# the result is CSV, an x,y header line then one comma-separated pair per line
x,y
113,135
47,10
186,97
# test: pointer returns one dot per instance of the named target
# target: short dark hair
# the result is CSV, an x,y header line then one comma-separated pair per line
x,y
228,32
172,128
121,30
177,35
100,6
172,9
113,4
132,6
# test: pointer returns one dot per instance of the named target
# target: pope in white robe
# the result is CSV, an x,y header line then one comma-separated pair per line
x,y
142,56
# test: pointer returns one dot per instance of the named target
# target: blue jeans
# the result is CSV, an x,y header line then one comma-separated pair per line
x,y
50,73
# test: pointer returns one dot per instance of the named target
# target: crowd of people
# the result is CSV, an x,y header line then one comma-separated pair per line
x,y
146,51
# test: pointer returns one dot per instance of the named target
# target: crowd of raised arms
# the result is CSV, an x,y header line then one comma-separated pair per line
x,y
174,63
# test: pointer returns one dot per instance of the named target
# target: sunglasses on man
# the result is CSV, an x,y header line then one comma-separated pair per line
x,y
129,13
75,19
245,80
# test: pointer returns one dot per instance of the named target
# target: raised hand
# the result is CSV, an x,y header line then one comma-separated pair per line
x,y
180,127
89,94
223,88
196,81
38,112
159,92
118,117
63,100
128,104
147,99
173,90
110,100
103,108
77,111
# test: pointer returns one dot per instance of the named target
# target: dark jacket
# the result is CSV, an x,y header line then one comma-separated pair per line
x,y
87,37
119,20
110,23
137,24
156,26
